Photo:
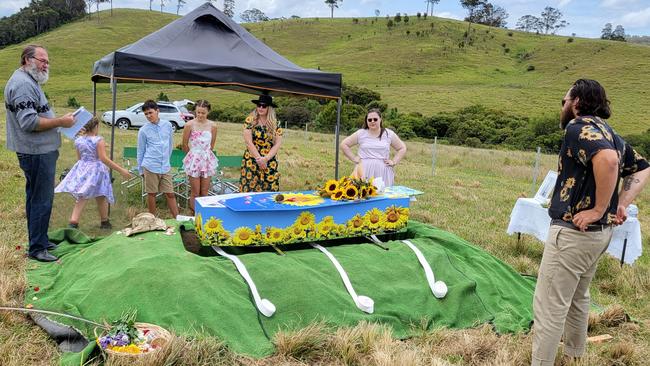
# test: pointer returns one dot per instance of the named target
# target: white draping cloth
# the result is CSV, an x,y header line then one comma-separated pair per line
x,y
529,217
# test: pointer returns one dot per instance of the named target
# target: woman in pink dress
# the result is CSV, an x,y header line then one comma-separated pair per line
x,y
373,156
200,164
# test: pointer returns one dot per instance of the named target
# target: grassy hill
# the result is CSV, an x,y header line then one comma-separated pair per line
x,y
427,73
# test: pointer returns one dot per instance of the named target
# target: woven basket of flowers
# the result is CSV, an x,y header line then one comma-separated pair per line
x,y
126,338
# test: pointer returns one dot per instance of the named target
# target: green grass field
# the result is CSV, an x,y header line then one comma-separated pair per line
x,y
471,193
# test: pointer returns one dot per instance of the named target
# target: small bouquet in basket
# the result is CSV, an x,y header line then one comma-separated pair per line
x,y
348,188
125,336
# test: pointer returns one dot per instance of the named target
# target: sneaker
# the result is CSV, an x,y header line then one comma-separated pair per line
x,y
72,225
106,225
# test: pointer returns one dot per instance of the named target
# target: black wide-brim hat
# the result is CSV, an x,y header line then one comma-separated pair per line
x,y
264,99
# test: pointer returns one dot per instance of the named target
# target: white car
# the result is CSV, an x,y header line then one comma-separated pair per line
x,y
133,116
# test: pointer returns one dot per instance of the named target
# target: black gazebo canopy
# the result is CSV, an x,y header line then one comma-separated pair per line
x,y
207,48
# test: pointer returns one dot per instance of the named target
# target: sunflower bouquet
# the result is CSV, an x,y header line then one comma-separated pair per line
x,y
348,188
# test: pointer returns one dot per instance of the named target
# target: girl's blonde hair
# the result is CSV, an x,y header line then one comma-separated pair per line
x,y
91,124
270,118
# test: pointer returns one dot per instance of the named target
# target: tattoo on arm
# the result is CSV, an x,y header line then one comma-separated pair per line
x,y
628,181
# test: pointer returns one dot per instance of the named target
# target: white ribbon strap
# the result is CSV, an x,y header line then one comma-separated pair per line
x,y
439,288
263,305
364,303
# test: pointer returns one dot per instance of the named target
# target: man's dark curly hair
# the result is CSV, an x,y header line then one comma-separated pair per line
x,y
592,99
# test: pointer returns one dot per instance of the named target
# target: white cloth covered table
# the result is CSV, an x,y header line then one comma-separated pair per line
x,y
529,217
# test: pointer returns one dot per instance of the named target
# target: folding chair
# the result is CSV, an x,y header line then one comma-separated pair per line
x,y
180,181
128,154
221,184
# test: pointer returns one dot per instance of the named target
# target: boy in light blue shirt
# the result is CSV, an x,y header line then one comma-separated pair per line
x,y
155,144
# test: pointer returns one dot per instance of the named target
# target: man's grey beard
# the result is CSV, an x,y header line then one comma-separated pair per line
x,y
40,76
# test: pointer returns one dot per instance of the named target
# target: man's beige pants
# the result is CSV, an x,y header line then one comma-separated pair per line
x,y
561,304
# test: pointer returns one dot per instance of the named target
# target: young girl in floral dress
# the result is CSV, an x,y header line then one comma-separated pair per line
x,y
89,177
200,164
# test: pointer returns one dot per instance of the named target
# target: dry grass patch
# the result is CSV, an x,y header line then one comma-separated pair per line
x,y
623,353
479,346
302,344
613,316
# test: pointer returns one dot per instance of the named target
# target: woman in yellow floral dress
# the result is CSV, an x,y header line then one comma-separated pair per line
x,y
263,137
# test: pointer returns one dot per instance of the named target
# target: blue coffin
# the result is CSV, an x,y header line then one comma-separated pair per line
x,y
258,219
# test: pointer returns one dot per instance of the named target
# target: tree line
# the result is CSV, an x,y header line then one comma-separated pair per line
x,y
473,126
38,17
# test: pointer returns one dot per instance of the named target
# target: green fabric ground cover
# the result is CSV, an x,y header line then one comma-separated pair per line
x,y
186,293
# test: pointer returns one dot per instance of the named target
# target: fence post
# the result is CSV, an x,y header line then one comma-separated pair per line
x,y
538,158
306,124
433,155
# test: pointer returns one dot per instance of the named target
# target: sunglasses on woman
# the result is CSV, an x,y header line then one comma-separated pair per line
x,y
262,106
373,119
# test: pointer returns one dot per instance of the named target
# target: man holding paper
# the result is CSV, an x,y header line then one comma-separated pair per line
x,y
32,132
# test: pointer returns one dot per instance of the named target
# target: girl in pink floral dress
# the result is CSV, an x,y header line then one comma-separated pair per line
x,y
200,164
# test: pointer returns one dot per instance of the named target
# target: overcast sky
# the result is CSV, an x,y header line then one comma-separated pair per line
x,y
586,17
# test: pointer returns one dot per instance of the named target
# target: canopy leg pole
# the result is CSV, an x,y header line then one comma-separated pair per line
x,y
438,288
94,98
114,90
337,131
364,303
264,306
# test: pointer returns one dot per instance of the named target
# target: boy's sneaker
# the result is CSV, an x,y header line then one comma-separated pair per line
x,y
73,225
106,225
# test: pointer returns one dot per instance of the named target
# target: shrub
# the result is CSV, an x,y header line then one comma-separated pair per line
x,y
509,34
408,32
473,142
234,114
359,95
351,117
506,50
569,40
375,104
530,68
405,124
355,20
406,18
390,24
295,112
72,102
640,142
162,97
405,131
490,126
398,18
419,15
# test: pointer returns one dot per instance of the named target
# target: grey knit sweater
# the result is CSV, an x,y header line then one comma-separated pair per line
x,y
25,103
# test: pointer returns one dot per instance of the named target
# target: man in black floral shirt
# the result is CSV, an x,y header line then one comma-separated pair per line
x,y
585,204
